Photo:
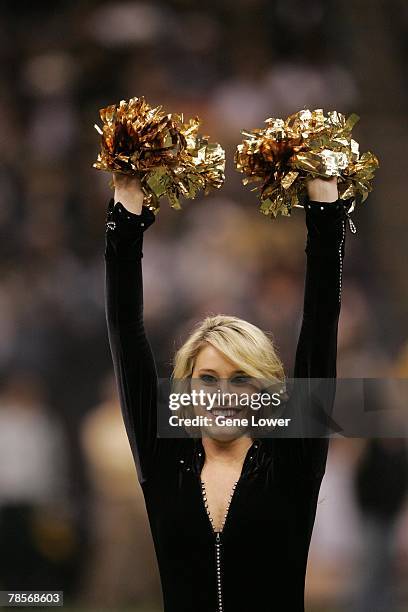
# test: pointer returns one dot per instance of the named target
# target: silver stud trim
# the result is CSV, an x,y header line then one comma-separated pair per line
x,y
217,539
340,258
205,500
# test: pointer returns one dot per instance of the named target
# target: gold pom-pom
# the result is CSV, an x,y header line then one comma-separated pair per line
x,y
308,144
168,155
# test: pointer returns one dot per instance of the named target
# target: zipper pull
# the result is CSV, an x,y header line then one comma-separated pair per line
x,y
352,227
217,537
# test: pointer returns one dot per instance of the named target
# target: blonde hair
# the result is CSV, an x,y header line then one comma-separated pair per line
x,y
241,342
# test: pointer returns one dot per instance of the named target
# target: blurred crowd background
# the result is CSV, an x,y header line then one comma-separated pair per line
x,y
71,513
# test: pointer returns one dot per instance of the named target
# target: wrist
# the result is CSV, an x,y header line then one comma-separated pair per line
x,y
323,190
132,200
128,191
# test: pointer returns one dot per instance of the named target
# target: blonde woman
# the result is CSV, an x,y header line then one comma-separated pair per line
x,y
231,515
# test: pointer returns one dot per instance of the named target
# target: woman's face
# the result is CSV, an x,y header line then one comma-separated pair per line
x,y
216,377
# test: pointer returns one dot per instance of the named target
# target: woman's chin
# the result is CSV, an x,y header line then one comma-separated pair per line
x,y
223,433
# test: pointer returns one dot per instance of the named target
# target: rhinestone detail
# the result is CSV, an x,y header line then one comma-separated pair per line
x,y
204,496
217,540
340,258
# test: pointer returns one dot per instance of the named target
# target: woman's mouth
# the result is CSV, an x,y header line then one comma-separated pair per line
x,y
225,412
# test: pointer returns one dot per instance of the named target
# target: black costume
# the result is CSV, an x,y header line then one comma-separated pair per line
x,y
263,547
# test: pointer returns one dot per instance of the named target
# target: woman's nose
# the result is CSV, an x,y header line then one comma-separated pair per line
x,y
226,385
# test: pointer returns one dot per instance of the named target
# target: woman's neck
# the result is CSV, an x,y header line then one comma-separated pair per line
x,y
230,451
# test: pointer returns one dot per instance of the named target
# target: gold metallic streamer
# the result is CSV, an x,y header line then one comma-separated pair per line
x,y
169,156
286,153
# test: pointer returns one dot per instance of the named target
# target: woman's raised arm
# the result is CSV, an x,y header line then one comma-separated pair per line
x,y
132,357
311,404
326,229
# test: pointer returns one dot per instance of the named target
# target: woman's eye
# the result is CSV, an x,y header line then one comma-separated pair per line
x,y
242,379
208,379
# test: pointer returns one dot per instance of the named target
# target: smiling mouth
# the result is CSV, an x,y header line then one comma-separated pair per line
x,y
225,412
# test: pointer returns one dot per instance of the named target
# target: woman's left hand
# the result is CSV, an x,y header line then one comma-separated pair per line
x,y
323,189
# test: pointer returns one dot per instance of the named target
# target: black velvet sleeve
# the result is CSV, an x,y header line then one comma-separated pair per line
x,y
311,402
317,347
132,357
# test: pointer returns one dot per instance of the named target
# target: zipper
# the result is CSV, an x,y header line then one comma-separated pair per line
x,y
217,541
352,227
353,230
218,569
340,258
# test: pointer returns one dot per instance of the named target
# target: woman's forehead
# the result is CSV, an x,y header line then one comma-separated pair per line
x,y
210,358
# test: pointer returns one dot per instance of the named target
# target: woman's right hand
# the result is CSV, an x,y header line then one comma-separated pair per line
x,y
128,191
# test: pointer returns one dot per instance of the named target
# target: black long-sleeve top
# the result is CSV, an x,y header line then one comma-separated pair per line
x,y
259,563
